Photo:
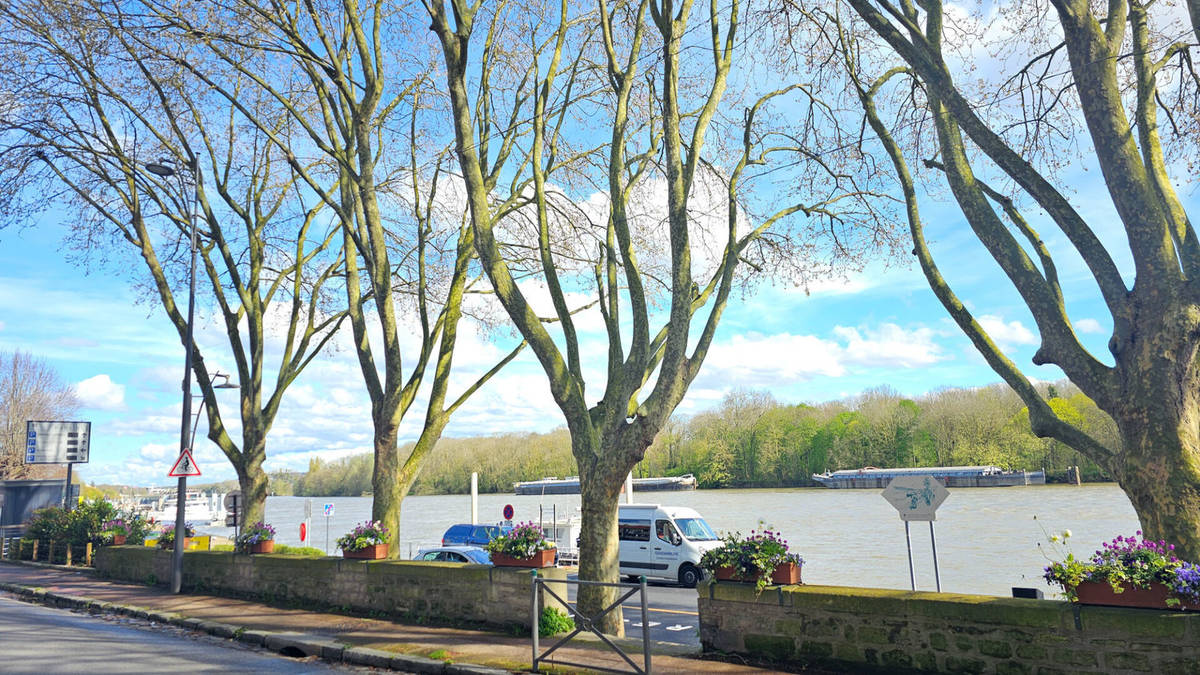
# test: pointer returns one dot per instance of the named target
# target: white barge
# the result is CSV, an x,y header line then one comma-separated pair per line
x,y
950,476
570,485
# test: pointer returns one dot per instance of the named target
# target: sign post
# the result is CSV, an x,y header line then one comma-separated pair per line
x,y
917,498
328,513
58,443
233,514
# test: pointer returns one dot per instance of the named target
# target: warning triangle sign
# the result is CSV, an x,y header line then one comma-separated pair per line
x,y
184,466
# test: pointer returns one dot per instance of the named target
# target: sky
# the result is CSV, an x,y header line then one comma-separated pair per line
x,y
878,327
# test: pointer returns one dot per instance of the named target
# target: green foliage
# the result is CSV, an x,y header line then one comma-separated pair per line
x,y
82,525
307,551
752,440
554,621
754,557
521,542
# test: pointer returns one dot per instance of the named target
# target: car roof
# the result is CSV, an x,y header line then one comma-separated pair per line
x,y
457,548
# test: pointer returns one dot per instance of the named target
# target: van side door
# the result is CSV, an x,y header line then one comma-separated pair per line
x,y
666,545
633,533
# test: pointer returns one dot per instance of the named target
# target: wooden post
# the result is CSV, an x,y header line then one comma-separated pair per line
x,y
50,553
87,552
68,554
35,547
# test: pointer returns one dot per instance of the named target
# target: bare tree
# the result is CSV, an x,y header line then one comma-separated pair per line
x,y
30,389
97,97
1118,78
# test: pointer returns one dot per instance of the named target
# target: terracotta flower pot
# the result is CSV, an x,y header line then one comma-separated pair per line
x,y
372,552
267,546
539,559
118,540
785,574
1155,597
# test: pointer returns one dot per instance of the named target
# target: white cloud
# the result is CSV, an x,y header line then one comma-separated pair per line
x,y
1089,326
757,360
1,325
890,345
100,393
1009,334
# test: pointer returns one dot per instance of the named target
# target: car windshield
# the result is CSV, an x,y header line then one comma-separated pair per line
x,y
695,529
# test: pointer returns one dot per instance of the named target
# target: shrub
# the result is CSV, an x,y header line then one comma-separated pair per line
x,y
554,621
1127,561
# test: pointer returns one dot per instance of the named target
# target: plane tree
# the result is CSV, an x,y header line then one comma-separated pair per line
x,y
582,144
354,91
91,105
1117,81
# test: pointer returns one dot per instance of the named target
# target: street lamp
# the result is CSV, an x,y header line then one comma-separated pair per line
x,y
162,168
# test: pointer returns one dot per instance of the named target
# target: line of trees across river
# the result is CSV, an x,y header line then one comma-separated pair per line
x,y
752,440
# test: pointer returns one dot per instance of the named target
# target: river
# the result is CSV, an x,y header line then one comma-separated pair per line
x,y
987,538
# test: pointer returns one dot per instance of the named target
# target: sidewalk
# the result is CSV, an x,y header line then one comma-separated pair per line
x,y
370,642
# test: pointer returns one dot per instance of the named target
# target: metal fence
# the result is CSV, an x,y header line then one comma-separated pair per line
x,y
584,622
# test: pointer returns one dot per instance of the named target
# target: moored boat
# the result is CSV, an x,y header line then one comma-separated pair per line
x,y
950,476
570,485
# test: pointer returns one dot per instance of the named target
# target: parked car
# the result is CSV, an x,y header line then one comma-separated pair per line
x,y
458,554
473,535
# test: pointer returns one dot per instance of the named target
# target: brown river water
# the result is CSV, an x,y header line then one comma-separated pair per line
x,y
987,538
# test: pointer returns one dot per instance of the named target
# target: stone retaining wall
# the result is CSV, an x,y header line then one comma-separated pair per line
x,y
862,629
443,592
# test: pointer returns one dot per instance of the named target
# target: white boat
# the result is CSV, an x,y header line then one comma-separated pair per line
x,y
570,485
199,508
950,476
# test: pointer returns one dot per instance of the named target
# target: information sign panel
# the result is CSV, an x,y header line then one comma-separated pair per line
x,y
57,442
916,497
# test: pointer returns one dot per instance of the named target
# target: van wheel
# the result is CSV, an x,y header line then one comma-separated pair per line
x,y
689,576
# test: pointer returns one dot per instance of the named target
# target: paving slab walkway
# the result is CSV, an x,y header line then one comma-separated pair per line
x,y
375,642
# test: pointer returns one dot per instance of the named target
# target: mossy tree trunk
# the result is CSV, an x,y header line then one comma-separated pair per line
x,y
1151,391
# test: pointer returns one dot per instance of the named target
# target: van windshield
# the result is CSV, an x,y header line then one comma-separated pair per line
x,y
695,529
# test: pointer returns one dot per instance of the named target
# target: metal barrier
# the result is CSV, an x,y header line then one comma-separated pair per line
x,y
584,622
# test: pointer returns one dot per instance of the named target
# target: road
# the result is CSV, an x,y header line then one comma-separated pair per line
x,y
37,639
672,612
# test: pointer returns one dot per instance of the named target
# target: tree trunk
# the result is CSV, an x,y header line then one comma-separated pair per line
x,y
600,487
253,483
388,493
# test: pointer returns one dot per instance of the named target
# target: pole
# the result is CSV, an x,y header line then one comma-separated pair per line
x,y
912,577
629,488
535,618
67,491
936,576
327,534
474,497
185,440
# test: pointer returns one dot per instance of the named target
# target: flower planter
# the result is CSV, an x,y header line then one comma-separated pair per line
x,y
267,546
118,540
372,552
539,559
1155,597
785,574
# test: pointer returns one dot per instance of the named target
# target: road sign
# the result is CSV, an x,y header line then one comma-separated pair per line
x,y
57,442
916,497
508,511
233,500
184,466
328,510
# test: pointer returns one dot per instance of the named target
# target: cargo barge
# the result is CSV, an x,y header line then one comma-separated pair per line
x,y
950,476
570,486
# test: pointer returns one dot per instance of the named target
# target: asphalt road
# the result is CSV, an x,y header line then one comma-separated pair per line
x,y
38,640
672,614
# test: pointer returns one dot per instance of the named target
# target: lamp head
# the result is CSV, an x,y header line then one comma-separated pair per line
x,y
160,168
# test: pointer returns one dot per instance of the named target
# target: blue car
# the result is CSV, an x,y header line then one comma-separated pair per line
x,y
458,554
473,535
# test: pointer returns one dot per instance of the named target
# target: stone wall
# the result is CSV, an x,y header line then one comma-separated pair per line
x,y
865,629
442,592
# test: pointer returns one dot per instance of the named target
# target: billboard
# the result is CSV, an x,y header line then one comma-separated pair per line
x,y
57,442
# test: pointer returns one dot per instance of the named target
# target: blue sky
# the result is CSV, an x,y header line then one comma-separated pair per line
x,y
882,326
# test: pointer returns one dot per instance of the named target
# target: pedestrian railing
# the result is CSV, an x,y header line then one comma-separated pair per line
x,y
589,623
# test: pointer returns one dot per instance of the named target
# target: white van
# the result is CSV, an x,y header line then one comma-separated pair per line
x,y
663,542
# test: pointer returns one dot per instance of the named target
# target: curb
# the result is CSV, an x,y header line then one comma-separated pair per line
x,y
288,642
